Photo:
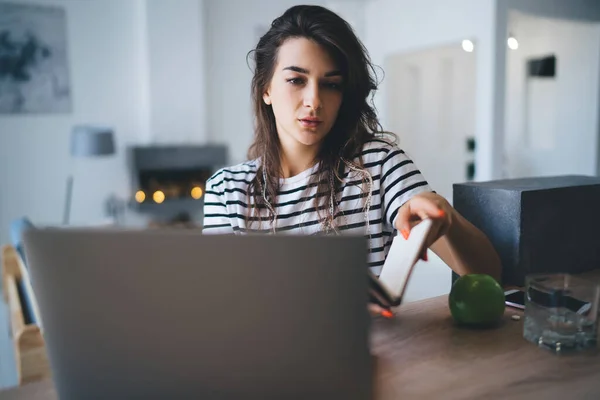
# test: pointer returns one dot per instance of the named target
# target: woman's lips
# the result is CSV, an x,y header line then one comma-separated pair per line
x,y
310,123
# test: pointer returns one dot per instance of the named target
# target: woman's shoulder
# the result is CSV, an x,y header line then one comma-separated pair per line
x,y
378,147
241,173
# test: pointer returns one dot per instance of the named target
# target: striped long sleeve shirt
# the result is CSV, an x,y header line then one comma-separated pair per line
x,y
395,180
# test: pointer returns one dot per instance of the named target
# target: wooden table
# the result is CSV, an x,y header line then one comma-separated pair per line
x,y
421,354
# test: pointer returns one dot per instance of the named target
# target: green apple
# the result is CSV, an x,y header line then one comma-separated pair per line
x,y
476,300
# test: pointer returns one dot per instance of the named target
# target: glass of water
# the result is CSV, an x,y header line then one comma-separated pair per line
x,y
561,312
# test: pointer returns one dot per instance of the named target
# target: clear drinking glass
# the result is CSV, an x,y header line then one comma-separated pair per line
x,y
561,312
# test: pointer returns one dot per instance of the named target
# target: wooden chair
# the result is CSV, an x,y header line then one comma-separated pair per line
x,y
26,333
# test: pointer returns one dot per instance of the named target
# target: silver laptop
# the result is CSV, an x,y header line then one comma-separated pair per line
x,y
173,314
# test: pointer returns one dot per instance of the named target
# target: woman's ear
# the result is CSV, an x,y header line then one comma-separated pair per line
x,y
267,98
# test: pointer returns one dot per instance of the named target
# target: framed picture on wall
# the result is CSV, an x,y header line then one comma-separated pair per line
x,y
34,74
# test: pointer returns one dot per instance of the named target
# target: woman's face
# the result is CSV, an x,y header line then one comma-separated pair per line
x,y
305,93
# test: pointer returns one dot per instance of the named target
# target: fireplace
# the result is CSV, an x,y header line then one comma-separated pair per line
x,y
169,181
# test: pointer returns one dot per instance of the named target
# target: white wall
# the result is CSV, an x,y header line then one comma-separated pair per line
x,y
577,10
430,105
400,26
105,62
562,122
176,62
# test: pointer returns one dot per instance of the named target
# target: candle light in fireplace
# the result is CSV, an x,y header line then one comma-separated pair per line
x,y
140,196
158,197
196,192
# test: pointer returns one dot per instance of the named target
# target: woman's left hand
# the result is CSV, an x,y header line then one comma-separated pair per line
x,y
422,206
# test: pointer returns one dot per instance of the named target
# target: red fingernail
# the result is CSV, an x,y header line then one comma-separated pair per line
x,y
441,213
425,257
404,233
387,314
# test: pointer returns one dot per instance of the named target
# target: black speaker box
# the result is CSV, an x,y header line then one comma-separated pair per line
x,y
543,224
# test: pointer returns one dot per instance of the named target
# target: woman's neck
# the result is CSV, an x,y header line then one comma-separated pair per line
x,y
297,159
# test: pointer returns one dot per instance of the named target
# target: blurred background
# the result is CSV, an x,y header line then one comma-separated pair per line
x,y
475,89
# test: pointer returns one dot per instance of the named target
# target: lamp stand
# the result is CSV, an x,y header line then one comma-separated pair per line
x,y
69,195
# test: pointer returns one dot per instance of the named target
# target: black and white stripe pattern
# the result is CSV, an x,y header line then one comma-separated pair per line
x,y
395,180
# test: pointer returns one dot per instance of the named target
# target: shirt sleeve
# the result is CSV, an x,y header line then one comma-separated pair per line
x,y
216,217
400,180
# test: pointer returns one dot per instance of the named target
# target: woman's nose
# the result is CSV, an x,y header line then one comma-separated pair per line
x,y
312,97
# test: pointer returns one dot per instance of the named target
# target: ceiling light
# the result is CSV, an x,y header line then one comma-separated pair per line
x,y
468,46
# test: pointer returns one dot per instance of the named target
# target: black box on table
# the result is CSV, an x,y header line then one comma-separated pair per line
x,y
541,224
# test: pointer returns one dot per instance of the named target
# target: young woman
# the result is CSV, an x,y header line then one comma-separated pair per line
x,y
320,162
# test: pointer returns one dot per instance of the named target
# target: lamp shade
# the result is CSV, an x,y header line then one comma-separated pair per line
x,y
89,141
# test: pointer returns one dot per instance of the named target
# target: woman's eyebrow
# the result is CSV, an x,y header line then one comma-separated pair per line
x,y
305,71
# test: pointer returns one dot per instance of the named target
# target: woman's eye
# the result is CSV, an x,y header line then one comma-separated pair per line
x,y
333,85
295,81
